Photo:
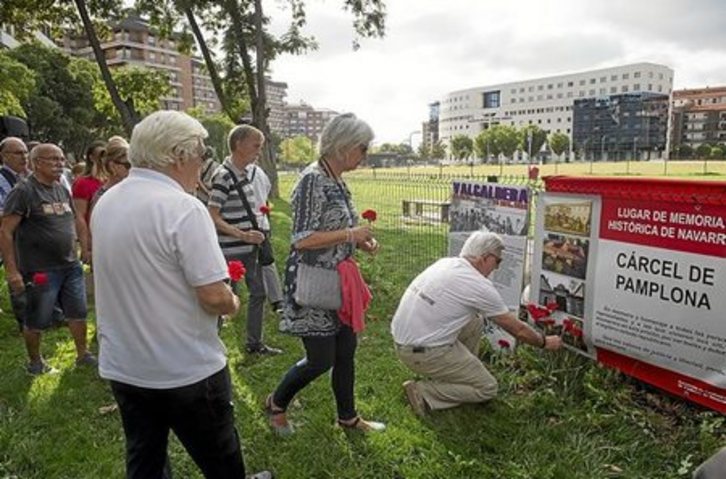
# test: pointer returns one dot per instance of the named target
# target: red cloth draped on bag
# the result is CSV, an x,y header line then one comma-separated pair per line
x,y
355,295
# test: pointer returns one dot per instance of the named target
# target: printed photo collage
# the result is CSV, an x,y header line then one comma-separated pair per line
x,y
565,251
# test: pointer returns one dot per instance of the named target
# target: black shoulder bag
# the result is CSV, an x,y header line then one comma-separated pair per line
x,y
264,250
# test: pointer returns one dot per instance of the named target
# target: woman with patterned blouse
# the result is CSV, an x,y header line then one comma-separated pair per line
x,y
325,232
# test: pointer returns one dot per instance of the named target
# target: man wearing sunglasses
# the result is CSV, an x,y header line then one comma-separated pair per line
x,y
438,326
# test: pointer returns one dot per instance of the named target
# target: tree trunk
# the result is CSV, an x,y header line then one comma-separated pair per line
x,y
267,162
233,10
209,62
129,117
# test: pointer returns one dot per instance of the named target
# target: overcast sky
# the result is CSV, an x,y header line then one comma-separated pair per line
x,y
433,47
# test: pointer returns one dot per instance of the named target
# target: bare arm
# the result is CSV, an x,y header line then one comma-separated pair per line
x,y
7,246
326,239
523,332
217,298
84,237
250,236
82,230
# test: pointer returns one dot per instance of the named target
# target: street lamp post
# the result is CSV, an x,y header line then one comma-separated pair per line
x,y
602,148
635,149
529,149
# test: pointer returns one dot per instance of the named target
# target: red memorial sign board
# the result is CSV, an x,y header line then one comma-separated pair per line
x,y
653,277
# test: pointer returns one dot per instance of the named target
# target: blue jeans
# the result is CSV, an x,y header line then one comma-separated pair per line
x,y
65,288
202,417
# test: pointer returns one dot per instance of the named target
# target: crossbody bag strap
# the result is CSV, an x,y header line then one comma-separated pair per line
x,y
243,197
12,179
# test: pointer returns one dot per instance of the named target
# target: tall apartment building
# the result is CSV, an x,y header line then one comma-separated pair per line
x,y
430,128
545,102
303,119
276,93
698,117
623,126
134,43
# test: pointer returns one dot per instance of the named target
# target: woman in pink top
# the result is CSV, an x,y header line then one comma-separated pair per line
x,y
84,187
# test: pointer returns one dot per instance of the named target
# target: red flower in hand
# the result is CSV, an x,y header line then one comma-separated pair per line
x,y
265,210
576,332
552,305
236,270
369,215
40,279
503,343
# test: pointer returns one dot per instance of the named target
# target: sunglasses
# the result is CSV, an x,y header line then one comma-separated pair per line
x,y
498,259
125,164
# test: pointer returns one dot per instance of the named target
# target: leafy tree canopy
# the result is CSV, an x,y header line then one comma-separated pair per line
x,y
559,143
60,108
297,151
146,86
17,83
538,135
461,147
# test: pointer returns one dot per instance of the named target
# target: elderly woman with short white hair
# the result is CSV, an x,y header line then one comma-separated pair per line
x,y
325,234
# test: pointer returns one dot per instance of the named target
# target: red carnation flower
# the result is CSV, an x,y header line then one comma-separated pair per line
x,y
236,270
547,322
503,343
265,210
552,305
369,215
576,332
40,279
537,312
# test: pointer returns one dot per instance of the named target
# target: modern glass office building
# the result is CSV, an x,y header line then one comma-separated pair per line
x,y
619,127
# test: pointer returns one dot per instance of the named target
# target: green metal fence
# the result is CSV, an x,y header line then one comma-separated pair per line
x,y
411,211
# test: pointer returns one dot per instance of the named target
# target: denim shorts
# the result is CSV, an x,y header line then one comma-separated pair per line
x,y
66,287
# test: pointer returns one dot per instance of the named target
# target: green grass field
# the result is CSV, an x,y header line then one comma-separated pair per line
x,y
558,415
707,169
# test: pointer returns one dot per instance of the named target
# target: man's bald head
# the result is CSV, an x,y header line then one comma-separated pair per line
x,y
48,161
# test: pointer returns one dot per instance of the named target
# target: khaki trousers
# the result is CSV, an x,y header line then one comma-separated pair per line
x,y
454,372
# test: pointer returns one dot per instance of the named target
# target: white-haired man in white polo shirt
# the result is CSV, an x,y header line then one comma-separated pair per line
x,y
160,285
438,326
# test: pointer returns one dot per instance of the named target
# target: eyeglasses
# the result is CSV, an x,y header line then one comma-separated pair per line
x,y
498,259
364,149
19,153
54,159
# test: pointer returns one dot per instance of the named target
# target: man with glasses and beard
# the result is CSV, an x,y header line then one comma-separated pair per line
x,y
38,241
438,326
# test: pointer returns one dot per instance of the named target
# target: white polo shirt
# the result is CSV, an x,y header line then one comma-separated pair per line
x,y
152,245
441,301
261,187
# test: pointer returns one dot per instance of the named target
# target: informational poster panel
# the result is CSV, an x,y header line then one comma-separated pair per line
x,y
563,269
501,209
655,280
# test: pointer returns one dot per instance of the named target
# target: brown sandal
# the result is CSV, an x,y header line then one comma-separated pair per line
x,y
283,427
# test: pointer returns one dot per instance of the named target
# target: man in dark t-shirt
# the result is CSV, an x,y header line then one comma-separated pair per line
x,y
38,241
